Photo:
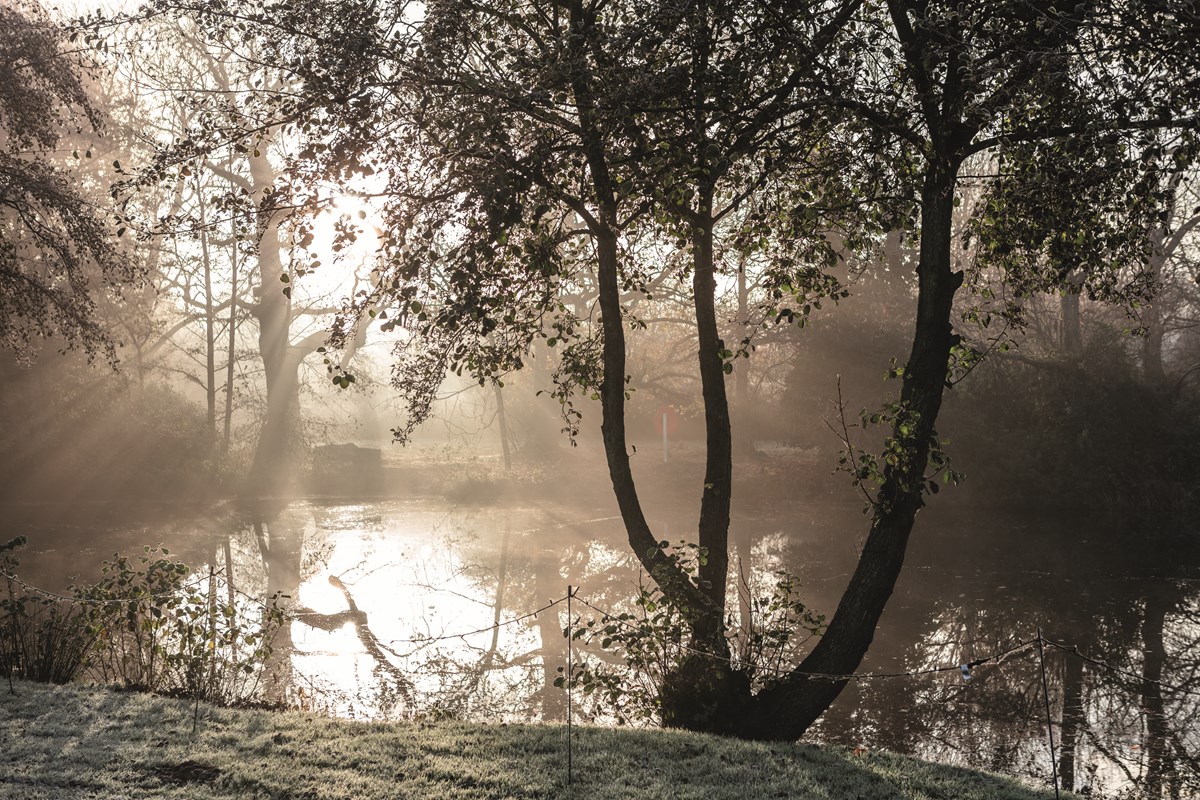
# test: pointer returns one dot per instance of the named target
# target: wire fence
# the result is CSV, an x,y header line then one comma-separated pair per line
x,y
84,599
613,618
839,677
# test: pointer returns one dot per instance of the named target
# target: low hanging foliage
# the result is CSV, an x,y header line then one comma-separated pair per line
x,y
41,639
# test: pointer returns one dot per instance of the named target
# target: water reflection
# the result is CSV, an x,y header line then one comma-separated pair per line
x,y
404,609
399,610
1121,596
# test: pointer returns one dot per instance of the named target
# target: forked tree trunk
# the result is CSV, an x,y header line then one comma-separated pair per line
x,y
603,227
705,694
677,587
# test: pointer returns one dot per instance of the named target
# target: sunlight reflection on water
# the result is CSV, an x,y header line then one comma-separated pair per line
x,y
420,578
381,591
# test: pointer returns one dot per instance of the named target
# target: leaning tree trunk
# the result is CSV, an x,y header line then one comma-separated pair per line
x,y
786,710
653,559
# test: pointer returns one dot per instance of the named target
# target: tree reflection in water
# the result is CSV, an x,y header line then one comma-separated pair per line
x,y
1118,597
379,592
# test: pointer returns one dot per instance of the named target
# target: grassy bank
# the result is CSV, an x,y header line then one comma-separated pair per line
x,y
73,742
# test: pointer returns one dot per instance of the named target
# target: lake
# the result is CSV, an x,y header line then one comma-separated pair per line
x,y
424,607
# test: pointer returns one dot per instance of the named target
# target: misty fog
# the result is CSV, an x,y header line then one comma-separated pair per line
x,y
456,374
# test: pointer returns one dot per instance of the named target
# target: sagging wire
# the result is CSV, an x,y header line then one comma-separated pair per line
x,y
1074,650
298,616
964,669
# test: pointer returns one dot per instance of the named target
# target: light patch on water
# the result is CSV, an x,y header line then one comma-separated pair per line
x,y
399,614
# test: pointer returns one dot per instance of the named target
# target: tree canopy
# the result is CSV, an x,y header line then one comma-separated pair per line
x,y
56,247
532,152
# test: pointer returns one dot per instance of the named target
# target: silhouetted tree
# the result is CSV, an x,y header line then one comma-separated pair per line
x,y
56,250
528,143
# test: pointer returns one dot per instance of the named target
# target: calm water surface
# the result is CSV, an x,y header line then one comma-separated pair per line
x,y
426,608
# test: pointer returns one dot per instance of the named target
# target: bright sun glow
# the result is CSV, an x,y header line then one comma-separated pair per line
x,y
342,261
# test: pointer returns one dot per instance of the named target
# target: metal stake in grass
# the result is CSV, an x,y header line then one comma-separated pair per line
x,y
570,641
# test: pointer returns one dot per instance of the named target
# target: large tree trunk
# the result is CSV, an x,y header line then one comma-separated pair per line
x,y
665,571
786,710
268,474
674,583
704,693
270,471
